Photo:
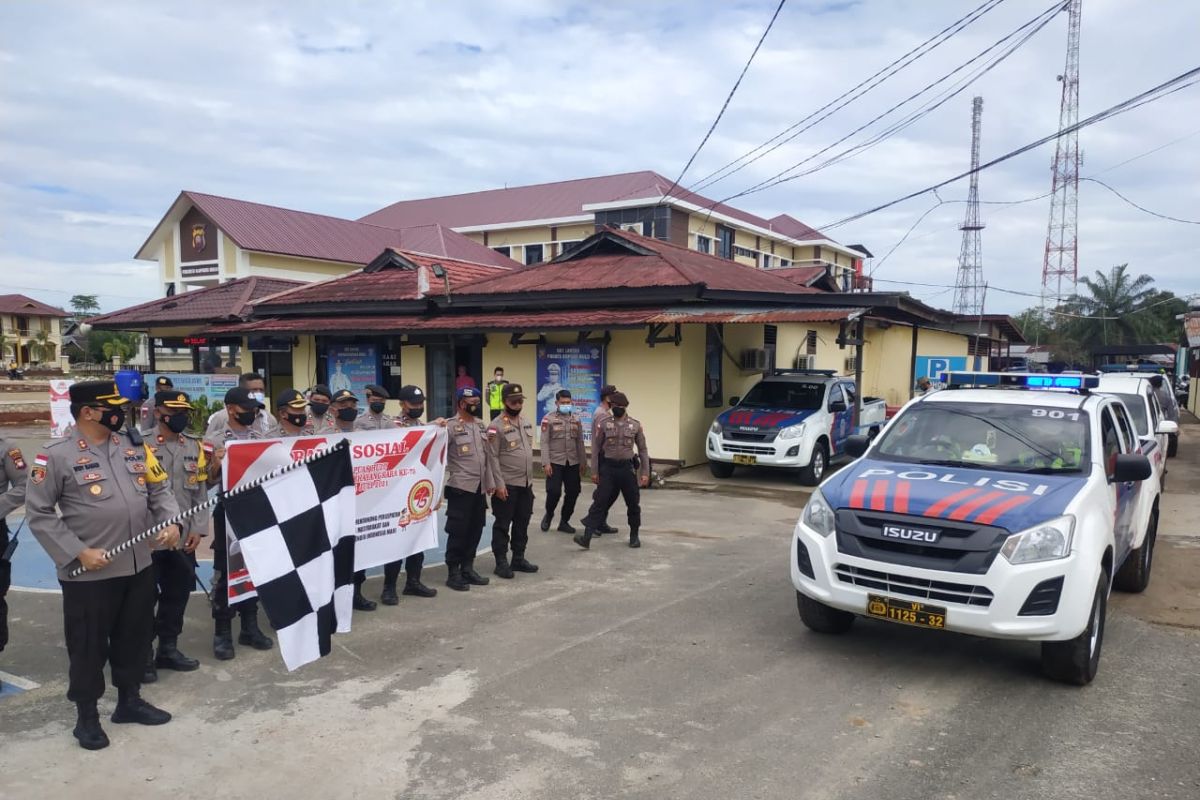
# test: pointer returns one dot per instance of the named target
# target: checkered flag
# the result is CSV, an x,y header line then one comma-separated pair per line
x,y
296,532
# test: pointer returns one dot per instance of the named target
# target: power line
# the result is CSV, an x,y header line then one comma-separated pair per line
x,y
725,105
947,33
1142,208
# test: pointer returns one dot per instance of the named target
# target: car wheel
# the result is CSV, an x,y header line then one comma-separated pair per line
x,y
1077,660
815,471
1134,575
820,617
720,469
1172,445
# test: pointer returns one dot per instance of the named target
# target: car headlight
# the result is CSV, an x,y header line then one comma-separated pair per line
x,y
792,432
1044,542
716,427
818,515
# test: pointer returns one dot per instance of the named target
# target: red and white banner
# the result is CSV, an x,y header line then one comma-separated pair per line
x,y
398,480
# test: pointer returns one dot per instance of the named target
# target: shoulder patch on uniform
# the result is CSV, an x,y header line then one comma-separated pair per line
x,y
37,474
17,458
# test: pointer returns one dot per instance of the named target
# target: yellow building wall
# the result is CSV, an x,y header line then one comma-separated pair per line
x,y
169,271
229,257
294,268
304,362
650,377
887,358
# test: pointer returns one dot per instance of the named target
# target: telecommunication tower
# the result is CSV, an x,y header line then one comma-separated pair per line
x,y
969,287
1061,262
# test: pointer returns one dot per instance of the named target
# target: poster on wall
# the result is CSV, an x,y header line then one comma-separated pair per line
x,y
211,387
60,408
577,367
932,366
353,367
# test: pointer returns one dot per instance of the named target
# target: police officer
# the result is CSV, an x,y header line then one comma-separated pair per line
x,y
563,456
602,413
510,437
471,477
180,454
291,411
412,408
13,474
494,386
319,400
264,423
613,469
98,479
375,419
242,412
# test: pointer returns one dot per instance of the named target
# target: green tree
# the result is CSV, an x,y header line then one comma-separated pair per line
x,y
1108,313
41,348
85,305
104,345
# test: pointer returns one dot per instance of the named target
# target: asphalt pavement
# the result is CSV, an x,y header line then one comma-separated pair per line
x,y
680,670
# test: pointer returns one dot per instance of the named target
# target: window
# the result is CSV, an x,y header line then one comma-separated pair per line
x,y
1136,404
1131,442
766,261
565,246
703,244
724,242
1110,442
713,390
836,395
533,254
504,251
810,343
783,262
851,392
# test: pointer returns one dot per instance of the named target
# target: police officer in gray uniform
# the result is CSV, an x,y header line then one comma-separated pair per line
x,y
253,383
180,454
470,478
510,437
13,474
291,411
375,419
603,412
100,481
563,457
616,470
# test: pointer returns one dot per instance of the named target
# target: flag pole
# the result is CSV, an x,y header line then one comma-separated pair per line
x,y
212,501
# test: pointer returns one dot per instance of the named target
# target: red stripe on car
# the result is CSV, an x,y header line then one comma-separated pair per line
x,y
992,514
939,508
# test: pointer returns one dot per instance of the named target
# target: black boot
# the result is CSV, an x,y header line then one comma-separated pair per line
x,y
170,657
606,528
388,596
546,521
414,587
252,635
87,727
149,673
223,640
132,708
472,577
522,564
634,541
502,568
584,539
566,527
455,579
361,603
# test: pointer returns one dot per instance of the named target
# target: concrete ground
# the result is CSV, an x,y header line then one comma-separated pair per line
x,y
680,670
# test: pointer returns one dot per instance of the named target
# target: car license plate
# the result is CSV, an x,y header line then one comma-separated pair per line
x,y
905,611
745,459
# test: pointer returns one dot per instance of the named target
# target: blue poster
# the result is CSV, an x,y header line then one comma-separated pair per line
x,y
577,367
352,366
933,366
212,387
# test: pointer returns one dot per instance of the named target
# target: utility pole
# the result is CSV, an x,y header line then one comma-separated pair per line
x,y
968,288
1061,261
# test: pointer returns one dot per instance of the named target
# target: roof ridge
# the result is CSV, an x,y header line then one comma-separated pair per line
x,y
193,194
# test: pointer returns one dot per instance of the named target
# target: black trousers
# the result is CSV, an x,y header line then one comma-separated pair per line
x,y
391,571
5,582
562,477
616,478
512,514
107,621
174,578
220,588
465,514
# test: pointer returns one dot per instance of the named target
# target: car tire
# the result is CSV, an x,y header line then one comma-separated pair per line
x,y
1077,660
819,617
1134,574
818,462
1172,445
720,469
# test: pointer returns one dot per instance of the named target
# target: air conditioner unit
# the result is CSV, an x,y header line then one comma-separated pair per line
x,y
848,368
754,358
806,362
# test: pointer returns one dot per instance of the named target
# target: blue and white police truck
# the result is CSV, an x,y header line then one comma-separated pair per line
x,y
794,419
1006,505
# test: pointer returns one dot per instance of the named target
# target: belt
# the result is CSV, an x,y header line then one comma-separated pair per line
x,y
612,462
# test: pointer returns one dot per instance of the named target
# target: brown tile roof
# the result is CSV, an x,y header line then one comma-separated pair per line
x,y
226,301
270,229
562,199
20,304
801,276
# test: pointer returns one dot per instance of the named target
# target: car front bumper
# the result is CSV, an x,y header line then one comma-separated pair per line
x,y
793,453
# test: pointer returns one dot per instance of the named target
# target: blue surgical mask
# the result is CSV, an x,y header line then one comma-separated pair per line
x,y
565,408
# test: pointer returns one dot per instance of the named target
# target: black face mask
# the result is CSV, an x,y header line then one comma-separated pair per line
x,y
319,409
472,408
415,413
298,420
513,411
245,418
177,423
618,411
377,407
113,420
347,414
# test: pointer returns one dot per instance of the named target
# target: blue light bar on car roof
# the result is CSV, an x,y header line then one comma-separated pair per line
x,y
1019,380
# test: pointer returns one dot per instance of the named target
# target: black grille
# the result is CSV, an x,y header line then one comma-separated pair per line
x,y
910,586
804,560
961,546
1043,600
751,436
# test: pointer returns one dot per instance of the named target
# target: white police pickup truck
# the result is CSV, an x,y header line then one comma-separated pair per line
x,y
1006,505
796,419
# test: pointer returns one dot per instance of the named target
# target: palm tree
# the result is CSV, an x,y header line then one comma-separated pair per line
x,y
1112,301
41,348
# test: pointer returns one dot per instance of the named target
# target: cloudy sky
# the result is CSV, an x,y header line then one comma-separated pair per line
x,y
108,110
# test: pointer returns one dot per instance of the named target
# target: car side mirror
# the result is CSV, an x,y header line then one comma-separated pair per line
x,y
733,401
1131,467
1167,428
837,406
856,445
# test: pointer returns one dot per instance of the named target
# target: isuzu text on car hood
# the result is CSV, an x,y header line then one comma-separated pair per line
x,y
1010,500
762,419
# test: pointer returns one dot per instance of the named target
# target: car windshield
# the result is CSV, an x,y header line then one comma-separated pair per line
x,y
1012,438
1137,409
791,395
